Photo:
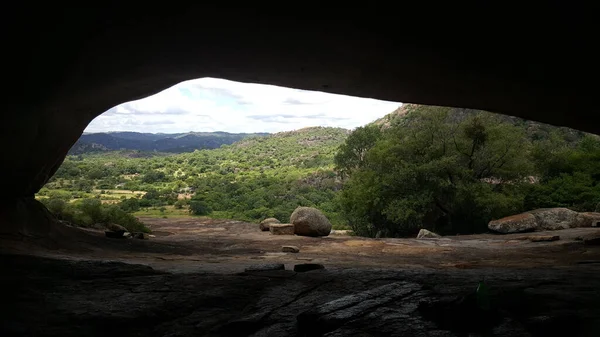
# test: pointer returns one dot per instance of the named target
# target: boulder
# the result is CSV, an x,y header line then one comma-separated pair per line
x,y
524,222
589,219
425,234
545,219
556,218
309,221
290,249
264,225
281,229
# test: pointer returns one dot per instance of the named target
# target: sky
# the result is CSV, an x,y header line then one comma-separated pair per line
x,y
210,104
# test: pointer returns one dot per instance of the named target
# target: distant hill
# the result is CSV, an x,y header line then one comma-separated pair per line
x,y
160,142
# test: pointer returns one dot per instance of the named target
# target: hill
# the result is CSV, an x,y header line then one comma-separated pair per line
x,y
161,142
534,130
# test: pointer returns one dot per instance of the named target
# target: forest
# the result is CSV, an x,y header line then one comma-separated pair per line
x,y
445,169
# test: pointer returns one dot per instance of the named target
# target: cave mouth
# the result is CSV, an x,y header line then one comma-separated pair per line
x,y
209,159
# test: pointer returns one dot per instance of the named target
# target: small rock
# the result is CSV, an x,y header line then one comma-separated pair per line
x,y
266,266
290,249
543,238
266,223
127,234
282,229
303,267
425,234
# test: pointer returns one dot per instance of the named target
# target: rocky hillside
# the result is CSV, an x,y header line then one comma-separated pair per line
x,y
535,130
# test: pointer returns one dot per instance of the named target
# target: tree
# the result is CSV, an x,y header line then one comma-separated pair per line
x,y
351,154
199,207
439,169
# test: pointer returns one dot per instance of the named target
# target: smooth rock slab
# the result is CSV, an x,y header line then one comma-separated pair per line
x,y
304,267
266,266
290,249
544,238
282,229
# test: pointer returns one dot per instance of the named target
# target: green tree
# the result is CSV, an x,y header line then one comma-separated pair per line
x,y
438,169
351,154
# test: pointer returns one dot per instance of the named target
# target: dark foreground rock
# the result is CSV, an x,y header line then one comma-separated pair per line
x,y
304,267
47,297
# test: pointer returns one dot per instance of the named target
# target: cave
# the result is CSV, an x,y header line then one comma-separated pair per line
x,y
66,65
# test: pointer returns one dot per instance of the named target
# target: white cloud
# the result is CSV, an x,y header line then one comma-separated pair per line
x,y
209,104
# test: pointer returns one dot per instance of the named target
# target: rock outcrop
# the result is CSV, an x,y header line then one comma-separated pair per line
x,y
265,224
309,221
544,219
425,234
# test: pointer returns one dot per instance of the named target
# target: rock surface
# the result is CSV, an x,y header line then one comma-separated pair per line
x,y
266,223
111,298
281,229
544,238
425,234
544,219
266,266
309,221
290,249
304,267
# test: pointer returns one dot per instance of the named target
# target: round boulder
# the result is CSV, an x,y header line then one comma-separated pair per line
x,y
309,221
264,225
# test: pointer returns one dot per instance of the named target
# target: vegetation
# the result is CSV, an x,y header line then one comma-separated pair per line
x,y
250,180
445,169
454,170
90,212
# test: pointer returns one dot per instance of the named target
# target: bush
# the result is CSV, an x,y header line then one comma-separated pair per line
x,y
199,207
86,212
